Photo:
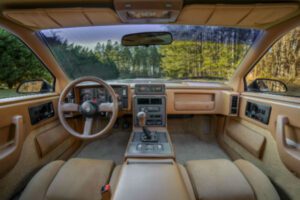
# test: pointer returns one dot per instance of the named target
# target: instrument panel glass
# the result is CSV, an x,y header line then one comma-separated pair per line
x,y
96,95
99,95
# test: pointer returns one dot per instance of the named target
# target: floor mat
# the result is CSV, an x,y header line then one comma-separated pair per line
x,y
112,147
190,147
187,147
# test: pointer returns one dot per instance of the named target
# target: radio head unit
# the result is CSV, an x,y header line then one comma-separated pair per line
x,y
151,99
154,107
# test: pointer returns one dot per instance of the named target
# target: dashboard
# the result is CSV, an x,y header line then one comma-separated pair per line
x,y
200,98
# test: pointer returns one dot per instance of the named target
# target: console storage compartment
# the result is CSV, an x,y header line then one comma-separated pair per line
x,y
150,179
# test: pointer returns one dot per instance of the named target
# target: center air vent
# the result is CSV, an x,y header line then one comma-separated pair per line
x,y
234,105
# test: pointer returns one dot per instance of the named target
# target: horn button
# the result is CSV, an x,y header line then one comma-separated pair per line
x,y
88,109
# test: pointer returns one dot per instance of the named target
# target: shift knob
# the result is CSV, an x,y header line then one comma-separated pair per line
x,y
141,116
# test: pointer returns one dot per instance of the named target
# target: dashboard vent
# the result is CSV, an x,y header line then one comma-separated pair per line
x,y
234,105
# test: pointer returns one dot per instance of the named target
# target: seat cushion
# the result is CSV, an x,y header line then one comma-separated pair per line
x,y
114,178
38,186
260,183
75,179
187,181
218,179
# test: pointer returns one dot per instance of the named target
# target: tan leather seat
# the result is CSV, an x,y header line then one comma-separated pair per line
x,y
75,179
222,179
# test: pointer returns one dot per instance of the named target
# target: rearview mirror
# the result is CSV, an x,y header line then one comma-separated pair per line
x,y
267,85
34,87
148,38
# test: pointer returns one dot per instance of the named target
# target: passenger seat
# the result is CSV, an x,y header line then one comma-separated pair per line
x,y
222,179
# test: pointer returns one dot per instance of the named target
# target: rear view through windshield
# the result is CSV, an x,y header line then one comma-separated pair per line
x,y
197,52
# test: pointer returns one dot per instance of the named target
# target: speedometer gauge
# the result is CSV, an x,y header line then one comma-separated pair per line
x,y
86,95
101,95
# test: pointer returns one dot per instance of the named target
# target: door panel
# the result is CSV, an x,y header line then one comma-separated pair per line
x,y
247,138
244,136
24,147
287,146
11,144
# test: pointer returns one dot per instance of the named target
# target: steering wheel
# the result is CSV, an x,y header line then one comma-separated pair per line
x,y
88,109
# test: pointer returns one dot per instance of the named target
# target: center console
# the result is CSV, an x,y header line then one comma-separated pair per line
x,y
150,171
150,137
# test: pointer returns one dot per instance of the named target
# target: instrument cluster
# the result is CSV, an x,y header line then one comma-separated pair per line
x,y
97,95
100,95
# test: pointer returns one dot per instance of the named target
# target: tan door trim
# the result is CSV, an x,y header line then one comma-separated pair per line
x,y
40,49
269,37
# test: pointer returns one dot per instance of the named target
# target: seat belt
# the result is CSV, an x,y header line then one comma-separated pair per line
x,y
105,192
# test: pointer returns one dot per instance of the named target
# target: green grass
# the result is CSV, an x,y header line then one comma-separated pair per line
x,y
6,93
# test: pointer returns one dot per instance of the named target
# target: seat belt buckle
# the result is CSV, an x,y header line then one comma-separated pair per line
x,y
105,191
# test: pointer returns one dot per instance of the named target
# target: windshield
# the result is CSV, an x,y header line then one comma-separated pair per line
x,y
197,52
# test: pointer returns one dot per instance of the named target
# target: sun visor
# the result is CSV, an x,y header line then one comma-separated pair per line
x,y
62,17
254,15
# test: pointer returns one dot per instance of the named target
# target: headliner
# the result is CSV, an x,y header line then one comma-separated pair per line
x,y
10,4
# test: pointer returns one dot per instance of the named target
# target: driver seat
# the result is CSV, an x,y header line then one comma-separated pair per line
x,y
78,179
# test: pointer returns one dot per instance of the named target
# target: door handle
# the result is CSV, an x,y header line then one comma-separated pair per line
x,y
288,154
10,154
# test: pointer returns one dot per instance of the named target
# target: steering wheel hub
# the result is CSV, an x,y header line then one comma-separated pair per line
x,y
88,109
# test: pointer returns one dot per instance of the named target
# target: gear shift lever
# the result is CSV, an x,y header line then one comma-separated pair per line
x,y
148,136
141,116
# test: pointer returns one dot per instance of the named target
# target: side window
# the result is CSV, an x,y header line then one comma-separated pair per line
x,y
278,71
21,73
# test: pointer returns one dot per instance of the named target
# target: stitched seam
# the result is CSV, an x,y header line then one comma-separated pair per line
x,y
53,180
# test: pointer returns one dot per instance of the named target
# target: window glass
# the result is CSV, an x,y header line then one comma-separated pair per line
x,y
198,53
278,71
21,72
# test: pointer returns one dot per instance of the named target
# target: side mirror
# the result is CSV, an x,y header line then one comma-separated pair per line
x,y
267,85
34,87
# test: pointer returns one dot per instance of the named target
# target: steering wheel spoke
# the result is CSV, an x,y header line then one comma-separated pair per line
x,y
88,125
69,107
106,107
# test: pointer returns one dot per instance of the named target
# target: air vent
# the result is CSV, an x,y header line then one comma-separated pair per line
x,y
234,105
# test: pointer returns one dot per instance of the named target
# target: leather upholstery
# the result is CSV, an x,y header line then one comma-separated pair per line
x,y
210,179
114,178
259,182
75,179
38,186
218,179
116,173
187,181
150,179
223,179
